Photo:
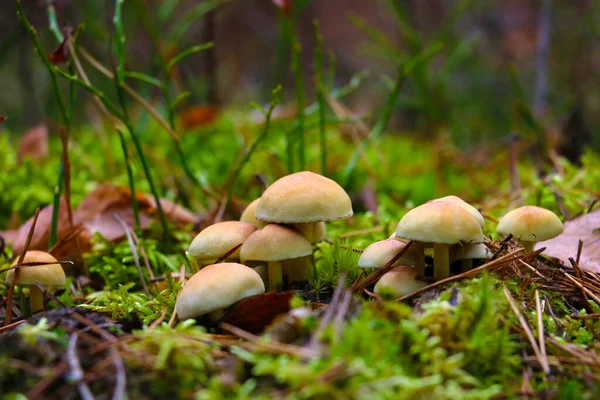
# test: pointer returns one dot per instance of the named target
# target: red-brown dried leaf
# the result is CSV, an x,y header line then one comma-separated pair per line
x,y
198,116
565,245
34,143
60,54
285,5
257,312
2,118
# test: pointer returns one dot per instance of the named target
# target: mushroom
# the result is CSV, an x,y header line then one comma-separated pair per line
x,y
530,224
248,215
213,242
51,274
398,282
469,252
304,197
216,287
460,202
272,245
378,254
441,223
306,200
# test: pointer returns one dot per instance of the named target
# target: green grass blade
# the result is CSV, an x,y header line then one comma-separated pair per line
x,y
321,100
134,202
188,52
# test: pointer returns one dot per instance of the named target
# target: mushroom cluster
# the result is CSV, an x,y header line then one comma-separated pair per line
x,y
453,228
271,244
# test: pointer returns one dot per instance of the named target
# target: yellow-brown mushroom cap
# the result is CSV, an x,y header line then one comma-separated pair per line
x,y
248,215
304,197
439,222
530,224
215,287
399,281
275,243
216,240
47,275
378,254
469,208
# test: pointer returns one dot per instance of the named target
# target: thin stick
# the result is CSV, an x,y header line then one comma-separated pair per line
x,y
490,265
579,285
75,370
11,288
121,379
11,326
540,324
269,347
134,252
528,333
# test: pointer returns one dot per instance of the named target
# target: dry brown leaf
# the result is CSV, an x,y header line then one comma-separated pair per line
x,y
34,143
565,245
197,116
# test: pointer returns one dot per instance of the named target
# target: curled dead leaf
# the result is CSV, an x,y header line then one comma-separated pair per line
x,y
198,116
565,245
34,143
255,313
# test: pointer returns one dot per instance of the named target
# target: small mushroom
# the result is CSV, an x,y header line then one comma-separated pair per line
x,y
441,223
213,242
466,206
48,275
216,287
530,224
272,245
398,282
378,254
248,215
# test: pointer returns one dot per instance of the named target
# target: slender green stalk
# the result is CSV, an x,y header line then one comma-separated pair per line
x,y
120,81
321,100
52,22
134,202
233,177
188,52
300,96
65,113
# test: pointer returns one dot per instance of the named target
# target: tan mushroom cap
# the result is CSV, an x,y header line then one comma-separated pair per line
x,y
399,281
314,232
216,240
378,254
439,222
215,287
275,243
47,275
530,224
304,197
460,202
248,215
470,251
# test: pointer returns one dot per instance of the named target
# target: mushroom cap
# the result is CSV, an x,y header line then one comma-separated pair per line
x,y
439,222
460,202
215,287
304,197
400,281
377,254
275,243
314,231
47,275
216,240
530,224
248,215
470,251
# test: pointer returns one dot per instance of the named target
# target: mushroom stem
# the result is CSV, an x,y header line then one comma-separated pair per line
x,y
420,266
441,261
36,299
467,265
275,277
528,246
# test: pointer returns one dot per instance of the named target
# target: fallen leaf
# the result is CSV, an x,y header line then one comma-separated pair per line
x,y
41,234
2,118
254,313
34,143
197,116
61,53
565,245
285,5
